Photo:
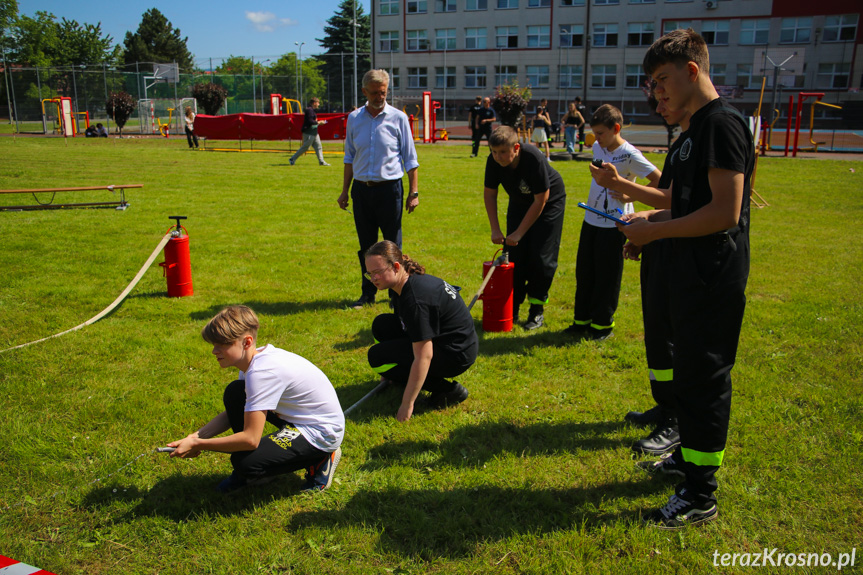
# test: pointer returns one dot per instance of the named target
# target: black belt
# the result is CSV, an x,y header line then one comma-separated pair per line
x,y
373,184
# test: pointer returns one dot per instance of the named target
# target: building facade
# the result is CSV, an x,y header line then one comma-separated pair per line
x,y
460,49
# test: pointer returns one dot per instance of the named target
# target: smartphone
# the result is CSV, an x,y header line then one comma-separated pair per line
x,y
603,214
596,162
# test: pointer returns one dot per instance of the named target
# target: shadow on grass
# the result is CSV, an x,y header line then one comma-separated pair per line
x,y
273,308
180,497
472,445
431,524
362,338
520,341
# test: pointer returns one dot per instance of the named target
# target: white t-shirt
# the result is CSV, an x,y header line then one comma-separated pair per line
x,y
299,392
630,164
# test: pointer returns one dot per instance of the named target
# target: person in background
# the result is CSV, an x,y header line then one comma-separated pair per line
x,y
310,133
190,128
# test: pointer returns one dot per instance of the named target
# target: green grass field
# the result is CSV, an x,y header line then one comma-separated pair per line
x,y
532,474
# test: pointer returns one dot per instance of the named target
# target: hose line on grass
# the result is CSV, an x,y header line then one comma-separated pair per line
x,y
116,302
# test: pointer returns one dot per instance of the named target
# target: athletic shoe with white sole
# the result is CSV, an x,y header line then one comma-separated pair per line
x,y
320,476
680,512
663,439
668,464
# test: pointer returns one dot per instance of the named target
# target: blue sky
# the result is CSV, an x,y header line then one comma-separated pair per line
x,y
215,28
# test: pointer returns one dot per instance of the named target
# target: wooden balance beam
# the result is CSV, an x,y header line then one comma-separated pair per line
x,y
120,204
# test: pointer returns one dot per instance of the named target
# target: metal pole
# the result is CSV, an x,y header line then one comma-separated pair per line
x,y
254,100
355,54
342,80
445,76
105,81
8,92
297,77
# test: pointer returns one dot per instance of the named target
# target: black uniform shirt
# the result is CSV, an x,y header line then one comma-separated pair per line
x,y
718,137
472,114
432,309
667,176
484,114
310,121
533,175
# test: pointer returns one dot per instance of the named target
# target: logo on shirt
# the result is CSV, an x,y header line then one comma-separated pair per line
x,y
450,290
686,149
674,156
523,187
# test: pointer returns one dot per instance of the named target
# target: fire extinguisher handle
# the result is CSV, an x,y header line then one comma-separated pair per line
x,y
177,219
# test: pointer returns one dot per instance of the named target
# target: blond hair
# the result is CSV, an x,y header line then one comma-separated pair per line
x,y
231,324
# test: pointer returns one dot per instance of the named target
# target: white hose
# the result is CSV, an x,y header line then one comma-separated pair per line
x,y
116,302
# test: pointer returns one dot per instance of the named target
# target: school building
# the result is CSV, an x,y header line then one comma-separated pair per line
x,y
460,49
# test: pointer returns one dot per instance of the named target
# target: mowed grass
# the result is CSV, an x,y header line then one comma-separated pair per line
x,y
532,474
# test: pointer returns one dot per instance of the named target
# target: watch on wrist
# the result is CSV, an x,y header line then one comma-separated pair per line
x,y
413,195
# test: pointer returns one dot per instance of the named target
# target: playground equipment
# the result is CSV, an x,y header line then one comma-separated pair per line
x,y
120,204
151,112
801,98
165,129
289,106
65,118
430,129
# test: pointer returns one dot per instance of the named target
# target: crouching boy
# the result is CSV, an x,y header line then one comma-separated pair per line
x,y
273,385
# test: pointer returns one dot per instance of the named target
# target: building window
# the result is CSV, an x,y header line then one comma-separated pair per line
x,y
570,77
444,39
389,7
671,25
538,37
444,77
444,5
506,36
394,78
604,35
832,75
537,76
476,5
538,3
418,78
639,34
715,32
796,30
840,28
389,42
606,2
744,75
505,75
677,1
754,31
474,76
717,74
566,3
474,38
635,76
571,35
642,1
507,4
417,6
417,40
603,76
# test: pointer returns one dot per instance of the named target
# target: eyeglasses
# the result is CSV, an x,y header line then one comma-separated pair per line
x,y
372,274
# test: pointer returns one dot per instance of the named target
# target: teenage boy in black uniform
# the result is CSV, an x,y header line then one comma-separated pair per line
x,y
483,120
709,224
473,112
534,217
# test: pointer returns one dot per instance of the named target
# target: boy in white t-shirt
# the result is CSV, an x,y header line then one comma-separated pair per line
x,y
276,386
599,263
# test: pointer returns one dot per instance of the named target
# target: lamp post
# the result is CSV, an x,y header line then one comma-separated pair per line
x,y
300,62
263,102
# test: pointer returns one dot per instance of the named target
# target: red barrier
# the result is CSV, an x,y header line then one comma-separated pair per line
x,y
266,127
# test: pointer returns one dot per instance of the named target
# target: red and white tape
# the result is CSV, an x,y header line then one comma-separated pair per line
x,y
11,567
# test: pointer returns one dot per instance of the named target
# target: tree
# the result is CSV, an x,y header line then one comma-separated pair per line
x,y
8,14
210,97
286,80
120,106
510,102
156,40
42,41
338,39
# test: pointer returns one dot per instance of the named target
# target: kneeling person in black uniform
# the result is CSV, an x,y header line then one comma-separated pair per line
x,y
430,337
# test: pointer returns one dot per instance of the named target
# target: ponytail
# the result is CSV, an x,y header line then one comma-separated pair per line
x,y
392,254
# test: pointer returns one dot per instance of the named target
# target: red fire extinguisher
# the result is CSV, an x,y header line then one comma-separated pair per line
x,y
497,296
177,265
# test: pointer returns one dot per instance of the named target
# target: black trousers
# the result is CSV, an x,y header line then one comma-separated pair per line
x,y
708,303
484,130
598,270
656,311
280,452
393,355
376,208
192,138
535,256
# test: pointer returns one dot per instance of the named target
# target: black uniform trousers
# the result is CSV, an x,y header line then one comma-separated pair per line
x,y
484,130
280,452
376,207
535,256
598,271
707,307
393,354
656,311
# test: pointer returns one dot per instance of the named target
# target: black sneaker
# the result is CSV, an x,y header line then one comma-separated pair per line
x,y
442,399
363,301
667,464
320,476
534,317
598,334
650,417
576,329
663,439
236,481
680,512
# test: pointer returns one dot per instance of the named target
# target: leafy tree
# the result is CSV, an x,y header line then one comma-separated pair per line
x,y
339,38
42,41
120,106
235,65
510,102
286,81
8,14
156,40
210,97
